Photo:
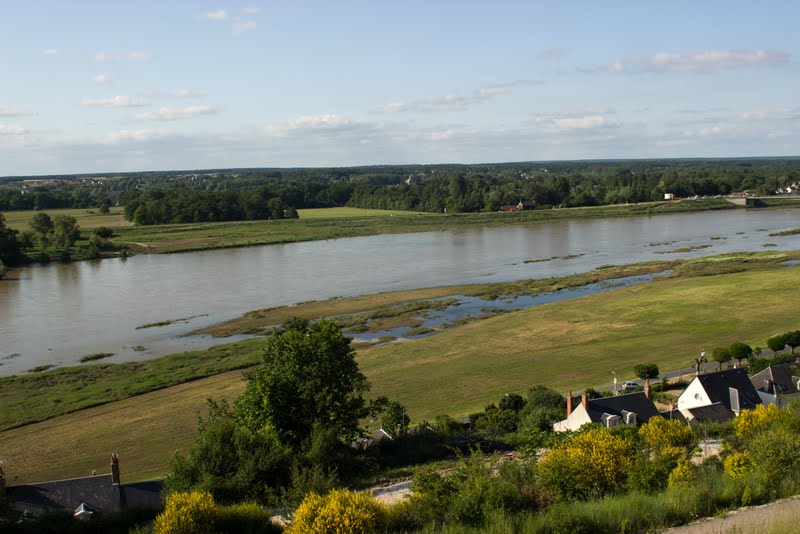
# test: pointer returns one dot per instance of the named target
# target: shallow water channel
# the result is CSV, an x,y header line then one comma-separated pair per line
x,y
466,308
55,314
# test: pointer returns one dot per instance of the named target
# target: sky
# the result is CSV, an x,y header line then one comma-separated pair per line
x,y
101,87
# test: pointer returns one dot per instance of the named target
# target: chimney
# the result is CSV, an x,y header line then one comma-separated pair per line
x,y
115,468
585,401
569,403
647,387
2,484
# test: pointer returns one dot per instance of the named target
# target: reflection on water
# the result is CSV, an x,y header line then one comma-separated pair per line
x,y
54,314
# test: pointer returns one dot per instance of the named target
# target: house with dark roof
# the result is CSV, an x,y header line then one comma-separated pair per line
x,y
731,389
630,409
777,385
84,496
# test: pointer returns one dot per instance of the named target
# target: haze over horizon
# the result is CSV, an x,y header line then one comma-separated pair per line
x,y
94,86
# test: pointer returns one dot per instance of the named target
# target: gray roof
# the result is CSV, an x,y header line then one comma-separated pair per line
x,y
96,492
717,412
782,378
632,402
717,386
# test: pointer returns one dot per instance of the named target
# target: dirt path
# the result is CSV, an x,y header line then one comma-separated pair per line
x,y
774,518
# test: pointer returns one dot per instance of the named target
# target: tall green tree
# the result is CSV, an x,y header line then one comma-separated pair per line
x,y
721,355
777,343
646,370
65,231
42,226
308,375
740,351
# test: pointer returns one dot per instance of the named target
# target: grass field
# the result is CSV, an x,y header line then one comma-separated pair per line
x,y
145,430
335,223
87,218
570,344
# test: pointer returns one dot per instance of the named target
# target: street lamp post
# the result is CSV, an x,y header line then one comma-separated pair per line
x,y
615,382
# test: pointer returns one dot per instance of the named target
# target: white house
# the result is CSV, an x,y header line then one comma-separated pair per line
x,y
630,409
731,388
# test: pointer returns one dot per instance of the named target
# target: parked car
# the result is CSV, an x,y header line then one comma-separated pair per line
x,y
629,385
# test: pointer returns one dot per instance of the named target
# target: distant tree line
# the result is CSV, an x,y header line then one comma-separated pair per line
x,y
182,205
226,194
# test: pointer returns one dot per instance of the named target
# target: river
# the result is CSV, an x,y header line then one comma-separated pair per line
x,y
54,314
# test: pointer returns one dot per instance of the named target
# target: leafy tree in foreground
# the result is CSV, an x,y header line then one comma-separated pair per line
x,y
646,370
308,375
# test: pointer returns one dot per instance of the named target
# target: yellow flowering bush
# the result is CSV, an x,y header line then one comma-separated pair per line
x,y
338,512
750,422
737,464
663,435
589,465
186,513
684,472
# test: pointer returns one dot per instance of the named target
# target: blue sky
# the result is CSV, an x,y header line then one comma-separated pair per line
x,y
91,86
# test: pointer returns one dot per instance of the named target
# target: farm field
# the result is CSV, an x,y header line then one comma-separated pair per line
x,y
564,345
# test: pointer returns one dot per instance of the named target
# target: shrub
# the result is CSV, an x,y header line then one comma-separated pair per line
x,y
751,422
186,513
737,464
338,512
660,434
591,464
684,473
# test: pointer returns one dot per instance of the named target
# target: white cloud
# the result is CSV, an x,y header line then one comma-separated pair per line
x,y
580,123
309,122
554,52
174,114
115,102
452,101
709,61
394,107
243,25
10,112
99,79
124,56
496,90
49,51
587,119
780,114
180,93
130,135
251,10
219,14
12,129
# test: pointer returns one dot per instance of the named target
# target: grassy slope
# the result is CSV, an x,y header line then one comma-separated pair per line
x,y
145,430
38,396
565,345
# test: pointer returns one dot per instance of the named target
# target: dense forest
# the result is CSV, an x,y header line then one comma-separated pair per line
x,y
243,194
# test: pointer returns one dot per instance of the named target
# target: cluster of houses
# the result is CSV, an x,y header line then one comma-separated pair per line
x,y
717,397
793,189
